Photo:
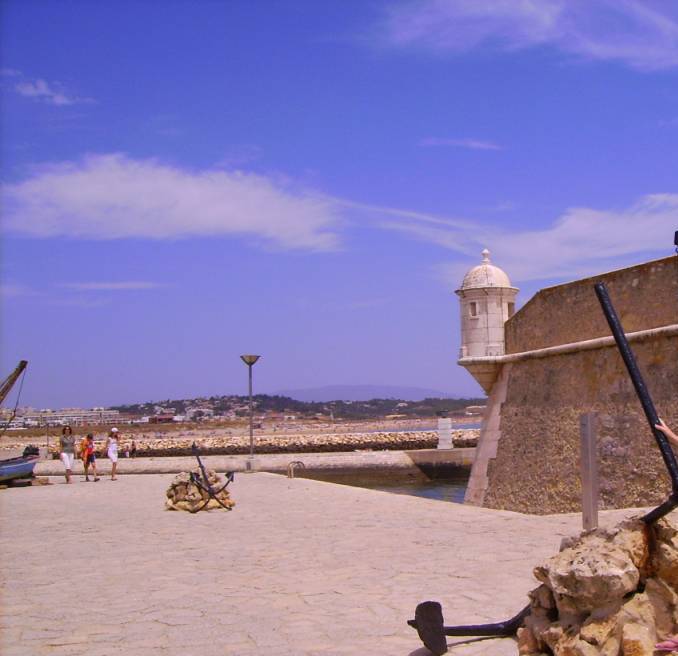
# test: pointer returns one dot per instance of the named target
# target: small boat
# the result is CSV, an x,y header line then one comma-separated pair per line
x,y
21,467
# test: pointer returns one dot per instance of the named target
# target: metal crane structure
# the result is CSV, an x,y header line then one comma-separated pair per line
x,y
13,470
8,383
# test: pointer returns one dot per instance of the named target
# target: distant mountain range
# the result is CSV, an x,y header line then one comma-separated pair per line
x,y
363,393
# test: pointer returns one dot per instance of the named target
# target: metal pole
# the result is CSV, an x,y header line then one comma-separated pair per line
x,y
638,382
251,416
589,471
645,400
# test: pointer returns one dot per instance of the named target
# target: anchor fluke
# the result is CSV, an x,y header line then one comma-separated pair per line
x,y
428,620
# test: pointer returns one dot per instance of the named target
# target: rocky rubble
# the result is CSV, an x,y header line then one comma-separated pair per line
x,y
308,443
183,494
235,444
607,593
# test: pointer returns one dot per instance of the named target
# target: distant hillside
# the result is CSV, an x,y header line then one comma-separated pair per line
x,y
226,407
363,393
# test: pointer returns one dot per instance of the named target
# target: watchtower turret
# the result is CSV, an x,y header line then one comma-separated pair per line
x,y
487,300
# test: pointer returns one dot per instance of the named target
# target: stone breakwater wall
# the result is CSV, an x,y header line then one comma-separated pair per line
x,y
318,443
607,593
371,462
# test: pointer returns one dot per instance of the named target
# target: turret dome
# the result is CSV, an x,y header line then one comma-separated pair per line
x,y
486,303
485,275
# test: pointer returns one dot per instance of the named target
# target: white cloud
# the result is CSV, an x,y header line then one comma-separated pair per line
x,y
472,144
53,93
365,208
583,241
114,196
111,286
639,33
78,302
14,290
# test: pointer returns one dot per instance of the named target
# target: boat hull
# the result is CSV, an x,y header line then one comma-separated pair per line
x,y
21,467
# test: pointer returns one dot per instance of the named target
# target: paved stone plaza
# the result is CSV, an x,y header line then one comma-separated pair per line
x,y
299,568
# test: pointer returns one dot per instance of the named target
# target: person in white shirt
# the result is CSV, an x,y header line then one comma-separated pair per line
x,y
112,451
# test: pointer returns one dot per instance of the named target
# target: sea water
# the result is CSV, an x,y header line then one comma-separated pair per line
x,y
449,487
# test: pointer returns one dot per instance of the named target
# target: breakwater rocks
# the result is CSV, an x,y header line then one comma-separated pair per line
x,y
607,593
177,445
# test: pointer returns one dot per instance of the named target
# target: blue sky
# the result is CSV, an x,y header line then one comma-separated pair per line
x,y
183,182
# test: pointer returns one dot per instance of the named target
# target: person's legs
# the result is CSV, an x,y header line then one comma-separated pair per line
x,y
86,467
93,464
68,466
113,456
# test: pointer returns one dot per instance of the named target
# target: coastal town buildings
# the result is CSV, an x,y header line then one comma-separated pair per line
x,y
26,417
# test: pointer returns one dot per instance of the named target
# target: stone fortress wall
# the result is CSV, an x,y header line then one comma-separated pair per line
x,y
528,453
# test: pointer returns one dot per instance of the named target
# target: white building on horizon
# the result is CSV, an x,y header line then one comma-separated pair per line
x,y
70,416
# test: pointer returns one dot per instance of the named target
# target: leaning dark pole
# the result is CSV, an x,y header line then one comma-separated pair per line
x,y
645,400
428,616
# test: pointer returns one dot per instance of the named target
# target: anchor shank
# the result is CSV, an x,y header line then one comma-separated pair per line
x,y
638,382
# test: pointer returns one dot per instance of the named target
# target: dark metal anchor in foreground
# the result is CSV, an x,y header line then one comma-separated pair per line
x,y
645,400
428,617
203,482
428,620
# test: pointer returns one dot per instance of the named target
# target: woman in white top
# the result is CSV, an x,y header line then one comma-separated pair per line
x,y
112,451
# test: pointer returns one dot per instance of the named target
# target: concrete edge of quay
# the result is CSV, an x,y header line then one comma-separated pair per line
x,y
418,460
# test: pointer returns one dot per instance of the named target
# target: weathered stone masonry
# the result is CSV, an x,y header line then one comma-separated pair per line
x,y
536,467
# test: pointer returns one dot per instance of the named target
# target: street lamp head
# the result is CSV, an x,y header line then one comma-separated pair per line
x,y
249,360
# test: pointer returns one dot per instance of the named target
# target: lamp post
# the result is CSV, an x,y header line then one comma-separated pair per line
x,y
250,360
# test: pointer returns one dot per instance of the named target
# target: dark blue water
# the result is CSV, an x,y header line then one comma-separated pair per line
x,y
449,487
451,490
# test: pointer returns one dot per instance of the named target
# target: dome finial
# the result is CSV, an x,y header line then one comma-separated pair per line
x,y
486,256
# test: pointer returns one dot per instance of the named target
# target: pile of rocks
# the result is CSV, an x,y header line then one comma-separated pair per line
x,y
178,443
607,593
238,445
184,494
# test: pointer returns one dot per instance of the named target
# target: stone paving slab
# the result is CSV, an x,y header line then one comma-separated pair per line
x,y
298,568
